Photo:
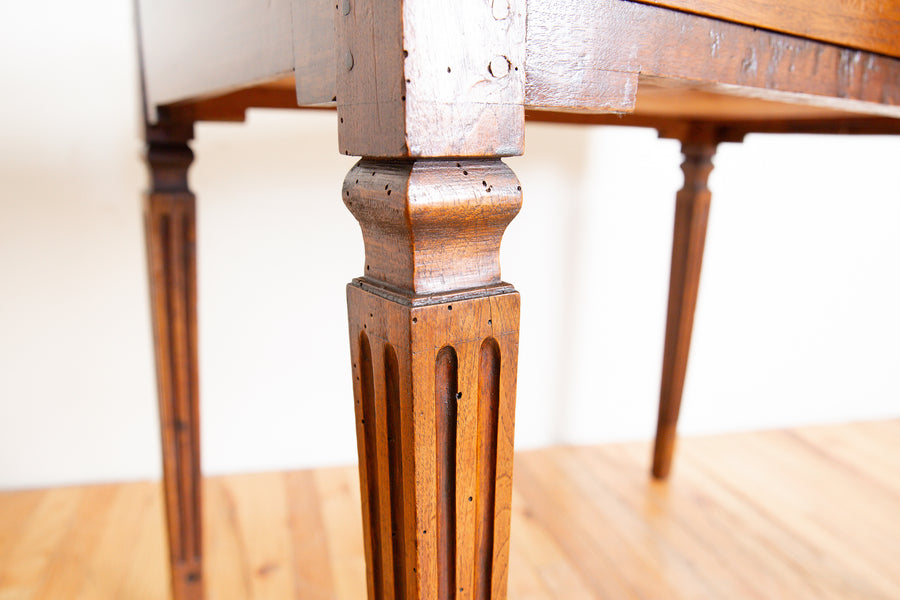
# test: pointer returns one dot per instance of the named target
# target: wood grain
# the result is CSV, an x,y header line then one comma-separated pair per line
x,y
580,56
588,55
423,79
312,22
691,217
432,226
440,478
872,25
807,514
169,216
434,339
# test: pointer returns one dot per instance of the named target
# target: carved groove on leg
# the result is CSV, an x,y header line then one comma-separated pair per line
x,y
368,465
392,387
446,414
442,339
488,412
170,234
450,422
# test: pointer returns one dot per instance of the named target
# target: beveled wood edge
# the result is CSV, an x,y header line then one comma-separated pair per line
x,y
232,107
729,130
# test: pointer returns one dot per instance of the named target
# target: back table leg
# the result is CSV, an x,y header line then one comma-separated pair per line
x,y
691,214
170,232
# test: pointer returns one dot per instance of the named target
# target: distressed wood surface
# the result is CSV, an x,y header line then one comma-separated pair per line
x,y
314,65
169,216
435,397
872,25
432,227
691,216
434,339
588,55
419,78
595,55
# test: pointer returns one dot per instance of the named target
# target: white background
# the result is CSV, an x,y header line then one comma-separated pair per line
x,y
798,318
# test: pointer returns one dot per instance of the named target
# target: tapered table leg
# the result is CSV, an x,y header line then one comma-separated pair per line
x,y
170,231
691,214
432,95
434,340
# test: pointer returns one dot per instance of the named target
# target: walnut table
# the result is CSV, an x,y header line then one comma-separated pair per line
x,y
432,94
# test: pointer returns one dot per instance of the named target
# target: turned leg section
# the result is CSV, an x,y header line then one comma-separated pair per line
x,y
169,215
691,215
434,344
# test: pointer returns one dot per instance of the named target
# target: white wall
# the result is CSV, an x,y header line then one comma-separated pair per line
x,y
797,322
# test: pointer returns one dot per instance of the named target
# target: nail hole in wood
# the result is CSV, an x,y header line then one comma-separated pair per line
x,y
470,498
519,188
484,183
459,395
490,322
449,307
405,54
389,192
342,119
415,320
465,172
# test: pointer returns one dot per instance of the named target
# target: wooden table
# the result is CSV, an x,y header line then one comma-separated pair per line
x,y
432,94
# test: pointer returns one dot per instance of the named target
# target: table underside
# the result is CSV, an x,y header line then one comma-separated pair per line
x,y
598,61
660,105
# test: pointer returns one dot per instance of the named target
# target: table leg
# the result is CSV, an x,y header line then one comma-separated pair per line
x,y
170,233
434,343
691,214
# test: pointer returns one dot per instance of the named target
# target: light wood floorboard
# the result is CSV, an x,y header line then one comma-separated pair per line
x,y
810,513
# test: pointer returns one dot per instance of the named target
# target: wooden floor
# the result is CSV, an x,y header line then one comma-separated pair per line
x,y
812,513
